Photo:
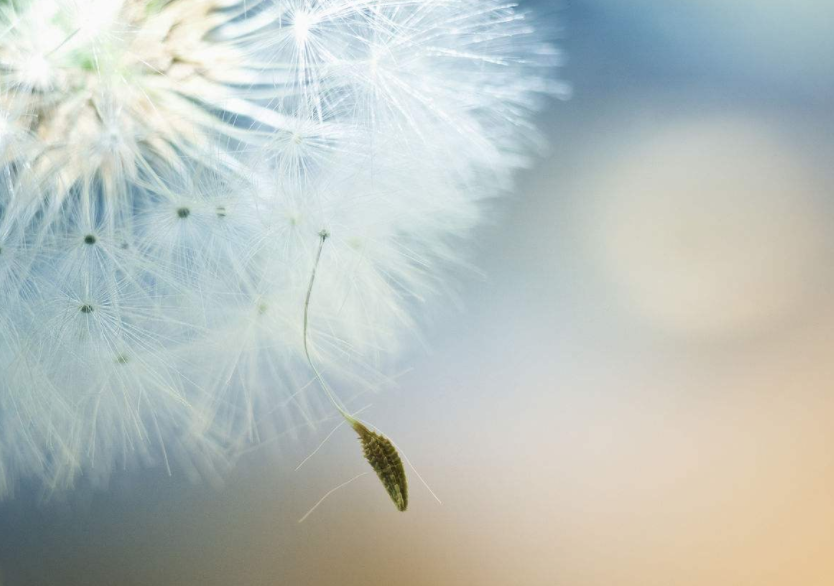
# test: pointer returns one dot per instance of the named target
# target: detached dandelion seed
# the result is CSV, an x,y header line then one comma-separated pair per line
x,y
379,451
163,164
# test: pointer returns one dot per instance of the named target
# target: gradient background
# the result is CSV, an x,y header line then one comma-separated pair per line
x,y
639,393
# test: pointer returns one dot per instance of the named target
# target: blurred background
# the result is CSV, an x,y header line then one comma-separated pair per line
x,y
639,391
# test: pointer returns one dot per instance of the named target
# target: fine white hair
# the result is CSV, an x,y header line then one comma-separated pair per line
x,y
165,168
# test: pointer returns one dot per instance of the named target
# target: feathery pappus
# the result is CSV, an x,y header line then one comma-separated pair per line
x,y
165,169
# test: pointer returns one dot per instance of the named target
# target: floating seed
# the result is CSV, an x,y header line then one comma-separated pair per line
x,y
379,451
384,459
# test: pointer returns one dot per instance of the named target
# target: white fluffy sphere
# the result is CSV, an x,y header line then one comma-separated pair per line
x,y
165,169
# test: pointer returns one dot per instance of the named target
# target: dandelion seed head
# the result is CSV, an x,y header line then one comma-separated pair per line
x,y
113,84
167,169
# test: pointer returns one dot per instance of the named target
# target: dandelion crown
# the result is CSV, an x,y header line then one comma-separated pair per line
x,y
170,172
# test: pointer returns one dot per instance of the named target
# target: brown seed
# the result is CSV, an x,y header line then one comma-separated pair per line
x,y
384,459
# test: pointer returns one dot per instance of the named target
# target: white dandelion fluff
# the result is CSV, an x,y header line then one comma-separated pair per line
x,y
166,167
